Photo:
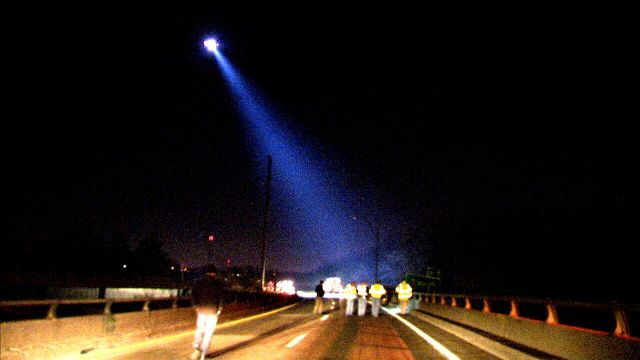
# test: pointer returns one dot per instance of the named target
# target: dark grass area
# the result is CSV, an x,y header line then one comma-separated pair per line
x,y
23,313
501,307
602,320
533,311
161,305
79,310
633,317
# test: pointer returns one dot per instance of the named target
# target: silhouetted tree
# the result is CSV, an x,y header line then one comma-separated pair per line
x,y
150,258
118,253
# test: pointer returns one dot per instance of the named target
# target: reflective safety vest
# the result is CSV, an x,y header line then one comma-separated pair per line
x,y
404,291
349,292
377,290
362,290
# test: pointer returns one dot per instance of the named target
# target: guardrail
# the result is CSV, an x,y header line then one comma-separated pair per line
x,y
565,329
57,328
49,309
53,309
618,311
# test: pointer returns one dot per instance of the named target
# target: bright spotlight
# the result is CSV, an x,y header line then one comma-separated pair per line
x,y
211,45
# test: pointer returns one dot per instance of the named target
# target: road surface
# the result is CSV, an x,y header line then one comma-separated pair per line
x,y
293,332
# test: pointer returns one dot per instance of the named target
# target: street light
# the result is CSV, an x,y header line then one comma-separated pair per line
x,y
211,45
375,229
265,220
210,240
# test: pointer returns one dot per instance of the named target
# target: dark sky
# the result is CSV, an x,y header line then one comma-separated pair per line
x,y
495,141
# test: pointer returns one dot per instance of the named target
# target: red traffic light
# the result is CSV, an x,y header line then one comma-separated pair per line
x,y
212,238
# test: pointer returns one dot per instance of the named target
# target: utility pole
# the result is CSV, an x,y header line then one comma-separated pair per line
x,y
265,219
377,231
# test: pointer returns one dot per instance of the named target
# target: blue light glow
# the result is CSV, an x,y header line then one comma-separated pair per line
x,y
211,45
314,198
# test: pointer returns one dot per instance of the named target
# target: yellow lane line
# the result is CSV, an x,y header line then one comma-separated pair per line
x,y
163,340
258,316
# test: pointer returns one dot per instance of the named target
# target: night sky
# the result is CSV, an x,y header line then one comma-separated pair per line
x,y
494,143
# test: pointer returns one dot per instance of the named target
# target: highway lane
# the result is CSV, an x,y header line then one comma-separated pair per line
x,y
228,335
295,333
335,337
353,337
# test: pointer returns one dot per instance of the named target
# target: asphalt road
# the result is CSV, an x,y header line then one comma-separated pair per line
x,y
295,333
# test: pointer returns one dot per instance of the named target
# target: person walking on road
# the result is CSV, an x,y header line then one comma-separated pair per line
x,y
405,293
207,295
376,292
350,296
362,298
317,309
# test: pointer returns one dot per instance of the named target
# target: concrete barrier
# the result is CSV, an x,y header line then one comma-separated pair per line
x,y
73,336
559,340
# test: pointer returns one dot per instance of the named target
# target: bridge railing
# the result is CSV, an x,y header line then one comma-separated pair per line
x,y
53,309
612,318
59,328
62,308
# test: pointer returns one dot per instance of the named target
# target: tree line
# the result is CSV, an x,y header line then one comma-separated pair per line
x,y
89,253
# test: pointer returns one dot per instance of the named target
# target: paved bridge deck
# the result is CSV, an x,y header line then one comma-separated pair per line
x,y
295,333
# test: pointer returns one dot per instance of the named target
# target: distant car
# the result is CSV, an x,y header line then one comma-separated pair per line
x,y
333,285
285,287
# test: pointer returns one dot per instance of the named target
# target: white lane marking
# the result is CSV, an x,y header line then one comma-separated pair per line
x,y
295,341
324,317
436,345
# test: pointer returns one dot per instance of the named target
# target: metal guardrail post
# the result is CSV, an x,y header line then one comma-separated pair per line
x,y
433,299
552,314
145,307
174,304
515,312
107,308
51,314
467,303
486,306
454,302
622,323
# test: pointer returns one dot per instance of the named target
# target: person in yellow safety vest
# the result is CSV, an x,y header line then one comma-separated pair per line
x,y
376,292
362,298
350,296
405,293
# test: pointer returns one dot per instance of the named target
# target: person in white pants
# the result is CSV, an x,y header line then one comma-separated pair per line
x,y
376,291
362,298
207,295
405,293
350,295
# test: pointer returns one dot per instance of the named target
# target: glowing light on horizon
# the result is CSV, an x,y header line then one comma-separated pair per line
x,y
285,287
333,285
